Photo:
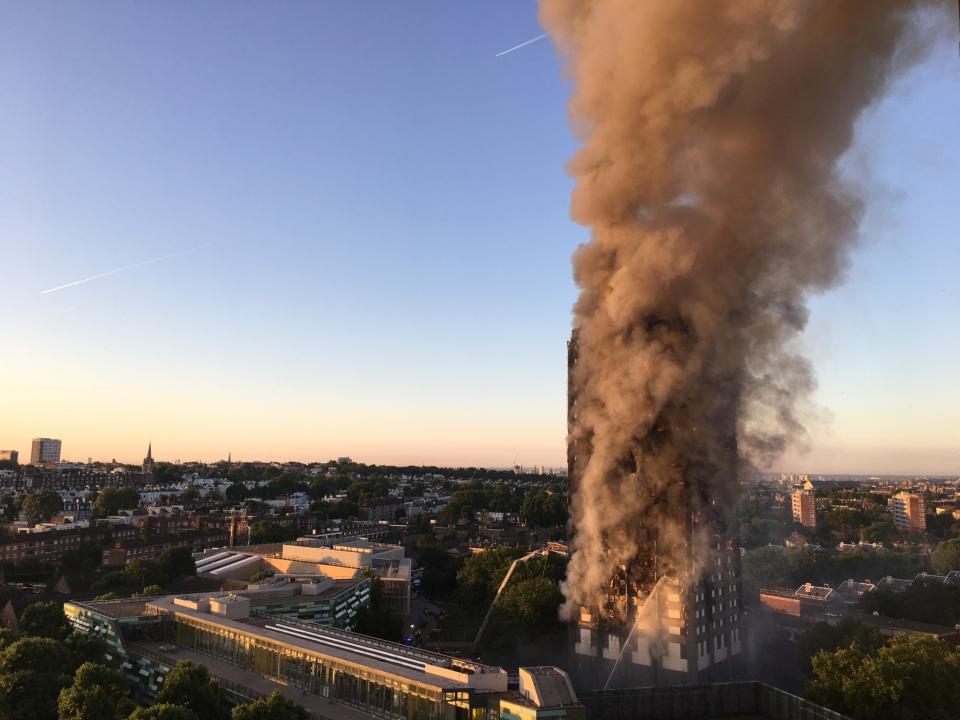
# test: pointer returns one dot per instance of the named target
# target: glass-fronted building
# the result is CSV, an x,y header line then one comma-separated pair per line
x,y
244,648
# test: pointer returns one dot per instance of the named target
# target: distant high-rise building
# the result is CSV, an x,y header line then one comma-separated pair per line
x,y
10,455
44,451
148,463
909,511
803,501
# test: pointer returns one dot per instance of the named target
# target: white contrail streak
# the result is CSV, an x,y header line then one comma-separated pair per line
x,y
523,44
125,268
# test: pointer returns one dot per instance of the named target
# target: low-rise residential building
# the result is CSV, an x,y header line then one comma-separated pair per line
x,y
384,508
50,545
853,592
126,551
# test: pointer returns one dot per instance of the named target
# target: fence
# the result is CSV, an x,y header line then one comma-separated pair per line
x,y
703,702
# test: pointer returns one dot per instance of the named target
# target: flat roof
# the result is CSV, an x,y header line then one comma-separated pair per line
x,y
389,659
552,686
259,598
116,609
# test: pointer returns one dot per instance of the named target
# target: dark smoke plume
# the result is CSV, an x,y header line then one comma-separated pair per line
x,y
708,173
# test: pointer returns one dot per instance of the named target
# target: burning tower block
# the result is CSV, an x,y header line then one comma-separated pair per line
x,y
670,612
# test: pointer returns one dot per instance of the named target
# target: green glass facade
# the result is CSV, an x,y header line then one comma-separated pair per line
x,y
339,610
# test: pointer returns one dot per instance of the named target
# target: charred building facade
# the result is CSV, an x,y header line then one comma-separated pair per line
x,y
671,613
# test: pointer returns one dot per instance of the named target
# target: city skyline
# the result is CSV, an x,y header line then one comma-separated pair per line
x,y
307,282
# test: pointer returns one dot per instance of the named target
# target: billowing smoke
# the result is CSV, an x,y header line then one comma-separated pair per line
x,y
708,174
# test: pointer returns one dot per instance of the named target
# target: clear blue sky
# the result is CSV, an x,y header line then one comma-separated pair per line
x,y
387,274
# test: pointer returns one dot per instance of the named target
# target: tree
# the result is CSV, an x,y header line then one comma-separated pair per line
x,y
531,606
881,531
111,500
543,509
41,506
268,532
45,619
9,507
849,631
377,618
259,575
177,561
910,678
190,686
440,570
843,520
32,672
85,647
163,711
112,582
946,557
482,573
142,572
236,492
758,532
274,707
190,494
929,602
98,693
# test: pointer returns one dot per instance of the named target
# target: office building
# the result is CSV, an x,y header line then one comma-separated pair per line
x,y
44,451
352,559
318,600
803,503
10,456
909,511
251,653
311,558
663,625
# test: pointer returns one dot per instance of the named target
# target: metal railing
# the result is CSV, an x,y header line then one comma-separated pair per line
x,y
702,702
429,657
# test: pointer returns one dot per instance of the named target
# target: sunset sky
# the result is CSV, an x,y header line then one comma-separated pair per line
x,y
348,225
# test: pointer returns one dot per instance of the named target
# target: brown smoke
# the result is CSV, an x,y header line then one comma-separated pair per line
x,y
708,173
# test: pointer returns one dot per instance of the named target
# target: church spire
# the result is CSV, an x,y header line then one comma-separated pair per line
x,y
148,464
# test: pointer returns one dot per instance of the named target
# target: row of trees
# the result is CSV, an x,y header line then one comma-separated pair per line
x,y
908,678
147,577
40,506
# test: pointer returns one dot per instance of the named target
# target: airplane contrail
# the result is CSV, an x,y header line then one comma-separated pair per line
x,y
125,268
523,44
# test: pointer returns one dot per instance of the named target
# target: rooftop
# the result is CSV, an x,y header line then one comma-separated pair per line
x,y
548,687
433,670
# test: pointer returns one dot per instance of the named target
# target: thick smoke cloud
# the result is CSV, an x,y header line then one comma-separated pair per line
x,y
708,174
